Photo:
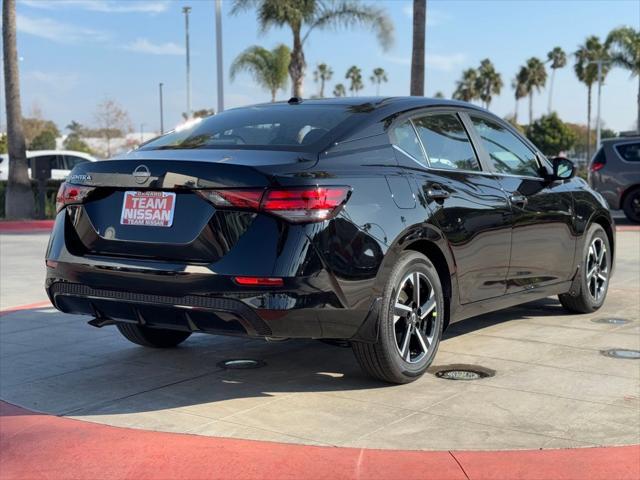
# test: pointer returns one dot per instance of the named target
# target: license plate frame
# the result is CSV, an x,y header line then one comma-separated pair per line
x,y
147,208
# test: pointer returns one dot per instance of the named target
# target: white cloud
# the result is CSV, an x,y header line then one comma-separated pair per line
x,y
143,45
433,61
53,80
57,31
104,6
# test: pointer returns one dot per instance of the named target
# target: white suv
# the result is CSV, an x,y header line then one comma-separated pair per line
x,y
62,162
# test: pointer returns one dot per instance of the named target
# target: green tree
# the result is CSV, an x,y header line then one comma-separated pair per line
x,y
313,15
551,135
339,90
378,77
322,74
624,46
466,87
74,141
3,143
438,94
418,47
354,75
519,85
587,72
19,201
268,67
558,59
46,140
34,127
488,82
536,78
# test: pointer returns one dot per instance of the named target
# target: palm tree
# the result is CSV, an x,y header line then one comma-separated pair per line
x,y
488,82
519,85
268,67
354,75
558,59
587,72
19,201
322,74
417,49
535,81
466,87
339,90
438,94
624,46
379,76
315,14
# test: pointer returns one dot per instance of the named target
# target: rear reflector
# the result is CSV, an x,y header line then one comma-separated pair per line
x,y
70,194
259,281
297,204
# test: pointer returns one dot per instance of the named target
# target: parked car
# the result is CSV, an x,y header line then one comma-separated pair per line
x,y
615,173
62,162
376,220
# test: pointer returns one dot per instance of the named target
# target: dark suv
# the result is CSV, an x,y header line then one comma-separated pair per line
x,y
375,220
615,173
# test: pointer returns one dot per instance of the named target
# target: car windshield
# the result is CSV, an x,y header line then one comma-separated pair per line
x,y
272,127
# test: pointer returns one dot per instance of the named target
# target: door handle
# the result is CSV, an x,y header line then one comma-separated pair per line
x,y
518,199
436,192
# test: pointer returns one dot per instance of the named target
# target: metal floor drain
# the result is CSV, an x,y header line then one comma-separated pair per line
x,y
612,321
241,364
622,353
463,372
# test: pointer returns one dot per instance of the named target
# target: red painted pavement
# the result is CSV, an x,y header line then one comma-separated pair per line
x,y
25,226
36,446
30,306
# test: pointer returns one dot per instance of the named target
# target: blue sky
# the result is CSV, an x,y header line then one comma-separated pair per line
x,y
75,53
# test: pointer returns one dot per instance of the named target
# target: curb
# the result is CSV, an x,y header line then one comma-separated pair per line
x,y
30,306
26,226
36,445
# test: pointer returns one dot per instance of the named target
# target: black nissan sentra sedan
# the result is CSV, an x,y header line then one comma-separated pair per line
x,y
375,220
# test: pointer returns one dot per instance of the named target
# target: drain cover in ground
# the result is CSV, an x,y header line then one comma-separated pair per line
x,y
612,321
240,364
622,353
464,372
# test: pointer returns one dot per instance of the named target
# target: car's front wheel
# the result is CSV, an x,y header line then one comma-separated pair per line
x,y
594,275
152,337
409,323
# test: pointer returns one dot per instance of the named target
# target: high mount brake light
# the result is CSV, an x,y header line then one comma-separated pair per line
x,y
297,204
69,194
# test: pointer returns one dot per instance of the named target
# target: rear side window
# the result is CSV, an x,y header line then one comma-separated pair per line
x,y
404,137
446,142
629,151
508,154
273,127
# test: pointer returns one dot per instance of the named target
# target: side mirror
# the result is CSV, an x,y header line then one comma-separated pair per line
x,y
563,169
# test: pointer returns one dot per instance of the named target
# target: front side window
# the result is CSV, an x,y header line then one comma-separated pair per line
x,y
446,142
404,137
508,154
629,151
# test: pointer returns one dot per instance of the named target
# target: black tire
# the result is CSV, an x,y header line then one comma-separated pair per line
x,y
631,205
383,360
584,301
152,337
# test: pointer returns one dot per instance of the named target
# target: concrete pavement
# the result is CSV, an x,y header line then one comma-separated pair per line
x,y
552,387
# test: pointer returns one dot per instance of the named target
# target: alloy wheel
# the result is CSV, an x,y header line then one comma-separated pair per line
x,y
414,317
597,270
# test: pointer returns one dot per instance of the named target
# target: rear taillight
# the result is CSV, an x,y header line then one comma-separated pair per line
x,y
298,204
69,194
595,166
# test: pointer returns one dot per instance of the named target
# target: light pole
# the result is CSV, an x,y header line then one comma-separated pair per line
x,y
219,55
160,85
186,11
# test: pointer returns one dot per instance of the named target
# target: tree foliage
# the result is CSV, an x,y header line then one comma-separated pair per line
x,y
339,90
551,135
623,45
268,67
46,140
322,74
466,88
488,82
112,121
378,77
354,75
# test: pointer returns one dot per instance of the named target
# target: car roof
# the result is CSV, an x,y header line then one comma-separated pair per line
x,y
623,139
401,103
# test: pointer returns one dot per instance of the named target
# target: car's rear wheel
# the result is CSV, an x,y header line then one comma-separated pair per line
x,y
594,276
152,337
409,323
631,205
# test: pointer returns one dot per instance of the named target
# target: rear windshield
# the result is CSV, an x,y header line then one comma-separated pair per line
x,y
272,127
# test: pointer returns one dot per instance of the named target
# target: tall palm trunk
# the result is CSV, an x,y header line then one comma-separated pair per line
x,y
553,76
515,113
321,87
588,122
417,52
531,107
273,95
19,201
638,119
298,65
